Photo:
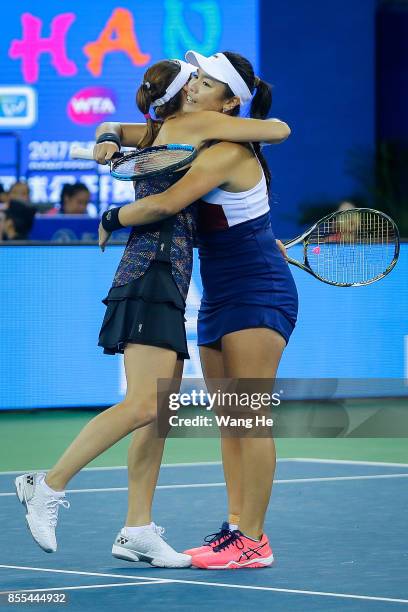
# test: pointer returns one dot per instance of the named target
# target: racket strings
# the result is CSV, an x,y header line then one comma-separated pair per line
x,y
141,163
352,247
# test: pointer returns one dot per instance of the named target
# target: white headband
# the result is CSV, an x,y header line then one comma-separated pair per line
x,y
176,85
220,68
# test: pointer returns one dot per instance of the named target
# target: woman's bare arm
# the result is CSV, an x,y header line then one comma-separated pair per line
x,y
218,126
211,169
206,125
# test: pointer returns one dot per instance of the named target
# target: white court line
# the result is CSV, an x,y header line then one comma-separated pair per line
x,y
122,489
335,478
77,572
87,586
347,462
204,485
209,463
220,584
124,467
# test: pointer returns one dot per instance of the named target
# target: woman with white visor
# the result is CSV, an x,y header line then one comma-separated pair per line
x,y
249,304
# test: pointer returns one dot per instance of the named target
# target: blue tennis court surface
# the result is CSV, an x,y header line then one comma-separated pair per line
x,y
338,531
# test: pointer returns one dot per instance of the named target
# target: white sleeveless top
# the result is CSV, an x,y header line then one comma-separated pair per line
x,y
225,209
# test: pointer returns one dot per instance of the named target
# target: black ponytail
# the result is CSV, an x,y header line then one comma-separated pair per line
x,y
261,102
260,106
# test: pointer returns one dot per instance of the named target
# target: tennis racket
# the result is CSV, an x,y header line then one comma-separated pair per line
x,y
144,163
350,248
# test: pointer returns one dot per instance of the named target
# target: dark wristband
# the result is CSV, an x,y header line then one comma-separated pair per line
x,y
108,137
110,220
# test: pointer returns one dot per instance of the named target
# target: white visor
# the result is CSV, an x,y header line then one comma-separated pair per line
x,y
220,68
175,86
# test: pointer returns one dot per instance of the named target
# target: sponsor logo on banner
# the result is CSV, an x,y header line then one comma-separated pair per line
x,y
91,105
18,106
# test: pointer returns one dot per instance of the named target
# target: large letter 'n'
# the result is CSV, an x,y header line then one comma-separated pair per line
x,y
178,36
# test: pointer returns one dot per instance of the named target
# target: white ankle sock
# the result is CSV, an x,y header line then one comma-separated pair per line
x,y
233,527
50,491
133,531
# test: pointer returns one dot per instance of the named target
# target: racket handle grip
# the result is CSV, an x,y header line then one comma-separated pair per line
x,y
80,153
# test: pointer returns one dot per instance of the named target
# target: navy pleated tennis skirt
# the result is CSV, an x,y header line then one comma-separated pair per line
x,y
149,310
246,282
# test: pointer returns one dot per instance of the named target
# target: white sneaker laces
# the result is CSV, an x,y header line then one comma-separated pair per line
x,y
52,507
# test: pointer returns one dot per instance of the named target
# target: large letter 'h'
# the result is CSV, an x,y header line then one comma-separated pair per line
x,y
32,45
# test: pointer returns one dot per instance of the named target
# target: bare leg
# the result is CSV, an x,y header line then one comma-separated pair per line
x,y
143,366
254,353
232,465
144,459
213,367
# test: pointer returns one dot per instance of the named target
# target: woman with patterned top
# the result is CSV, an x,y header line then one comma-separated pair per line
x,y
247,313
145,306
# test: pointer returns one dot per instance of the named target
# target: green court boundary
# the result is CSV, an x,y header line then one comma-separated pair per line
x,y
36,439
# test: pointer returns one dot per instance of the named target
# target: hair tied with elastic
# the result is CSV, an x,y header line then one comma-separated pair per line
x,y
257,81
146,84
147,116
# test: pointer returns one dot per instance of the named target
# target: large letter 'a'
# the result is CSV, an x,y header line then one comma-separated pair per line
x,y
178,38
118,35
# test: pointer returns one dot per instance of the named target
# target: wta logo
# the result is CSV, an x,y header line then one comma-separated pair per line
x,y
91,105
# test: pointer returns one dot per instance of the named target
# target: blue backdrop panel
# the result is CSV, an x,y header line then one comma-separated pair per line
x,y
320,58
64,228
67,228
51,311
